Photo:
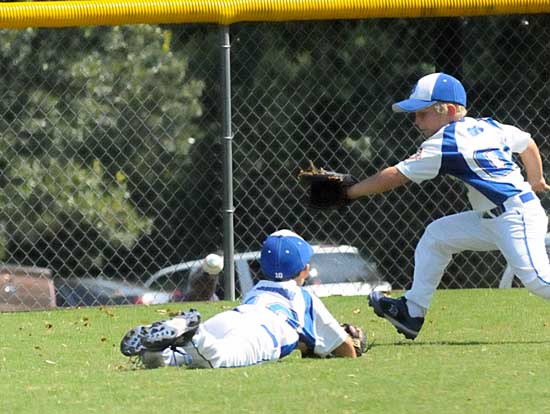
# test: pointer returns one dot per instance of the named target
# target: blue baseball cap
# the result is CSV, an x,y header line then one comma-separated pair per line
x,y
284,254
436,87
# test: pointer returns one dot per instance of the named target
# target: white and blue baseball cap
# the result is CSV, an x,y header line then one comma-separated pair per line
x,y
436,87
284,254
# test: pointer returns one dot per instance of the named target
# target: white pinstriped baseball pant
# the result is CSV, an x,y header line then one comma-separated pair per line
x,y
518,233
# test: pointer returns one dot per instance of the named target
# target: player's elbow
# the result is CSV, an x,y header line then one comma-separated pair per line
x,y
531,149
392,178
345,350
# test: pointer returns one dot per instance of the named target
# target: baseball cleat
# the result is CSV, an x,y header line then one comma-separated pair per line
x,y
131,342
396,312
173,332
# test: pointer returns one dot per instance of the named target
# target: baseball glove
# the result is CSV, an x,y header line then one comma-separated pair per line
x,y
327,189
359,338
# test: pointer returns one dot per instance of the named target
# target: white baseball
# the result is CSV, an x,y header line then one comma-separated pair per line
x,y
213,264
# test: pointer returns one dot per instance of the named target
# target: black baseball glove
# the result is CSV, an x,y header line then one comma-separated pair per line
x,y
358,336
327,189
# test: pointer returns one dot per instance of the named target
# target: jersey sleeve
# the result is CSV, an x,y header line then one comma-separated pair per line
x,y
329,333
516,139
425,164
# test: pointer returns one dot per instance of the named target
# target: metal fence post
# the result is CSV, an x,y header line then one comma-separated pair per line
x,y
228,209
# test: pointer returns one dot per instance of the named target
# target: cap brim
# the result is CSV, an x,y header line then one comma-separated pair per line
x,y
411,105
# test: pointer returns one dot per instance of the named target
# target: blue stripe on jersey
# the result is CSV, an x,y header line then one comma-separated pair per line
x,y
308,335
492,122
285,293
287,349
275,342
250,301
453,163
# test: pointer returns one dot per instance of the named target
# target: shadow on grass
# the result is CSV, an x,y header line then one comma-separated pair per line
x,y
459,343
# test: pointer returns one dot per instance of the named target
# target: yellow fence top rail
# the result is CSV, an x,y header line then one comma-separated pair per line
x,y
118,12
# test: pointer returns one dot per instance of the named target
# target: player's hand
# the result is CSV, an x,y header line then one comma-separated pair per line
x,y
326,189
357,338
539,186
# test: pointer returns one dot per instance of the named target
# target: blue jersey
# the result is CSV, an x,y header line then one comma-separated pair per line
x,y
304,312
477,152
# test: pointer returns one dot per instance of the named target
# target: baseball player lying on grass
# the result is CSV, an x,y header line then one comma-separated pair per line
x,y
276,317
506,213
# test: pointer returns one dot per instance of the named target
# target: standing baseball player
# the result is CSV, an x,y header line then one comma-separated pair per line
x,y
275,317
506,213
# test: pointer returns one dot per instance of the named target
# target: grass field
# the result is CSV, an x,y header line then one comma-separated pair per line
x,y
481,351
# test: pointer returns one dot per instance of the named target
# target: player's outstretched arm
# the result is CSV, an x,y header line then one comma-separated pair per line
x,y
385,180
345,349
533,166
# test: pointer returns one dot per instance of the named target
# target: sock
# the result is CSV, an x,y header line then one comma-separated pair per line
x,y
416,311
152,359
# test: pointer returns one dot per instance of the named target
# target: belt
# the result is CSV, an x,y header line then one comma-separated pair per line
x,y
501,208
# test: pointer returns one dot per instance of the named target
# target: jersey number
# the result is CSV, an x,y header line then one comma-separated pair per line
x,y
289,314
494,161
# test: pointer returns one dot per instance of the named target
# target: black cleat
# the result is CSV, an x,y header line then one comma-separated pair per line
x,y
395,311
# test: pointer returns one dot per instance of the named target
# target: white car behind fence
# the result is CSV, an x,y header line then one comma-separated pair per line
x,y
335,270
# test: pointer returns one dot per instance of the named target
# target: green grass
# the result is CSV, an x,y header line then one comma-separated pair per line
x,y
481,351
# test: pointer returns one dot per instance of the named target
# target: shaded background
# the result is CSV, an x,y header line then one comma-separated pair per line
x,y
110,137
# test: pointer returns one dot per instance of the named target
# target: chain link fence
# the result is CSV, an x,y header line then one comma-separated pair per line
x,y
111,143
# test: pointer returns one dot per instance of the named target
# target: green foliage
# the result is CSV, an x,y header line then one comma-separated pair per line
x,y
134,89
120,99
42,200
145,101
466,360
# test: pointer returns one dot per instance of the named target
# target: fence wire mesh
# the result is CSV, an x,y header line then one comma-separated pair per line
x,y
111,143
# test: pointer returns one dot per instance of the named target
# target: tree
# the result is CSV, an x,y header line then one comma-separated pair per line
x,y
113,113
